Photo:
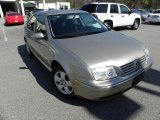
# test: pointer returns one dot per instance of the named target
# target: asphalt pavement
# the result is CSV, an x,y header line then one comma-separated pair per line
x,y
27,92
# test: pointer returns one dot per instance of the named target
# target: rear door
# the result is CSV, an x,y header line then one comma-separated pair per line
x,y
115,15
101,11
29,31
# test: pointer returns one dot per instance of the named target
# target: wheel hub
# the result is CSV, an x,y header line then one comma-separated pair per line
x,y
62,83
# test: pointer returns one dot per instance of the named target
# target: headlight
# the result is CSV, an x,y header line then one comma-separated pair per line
x,y
103,73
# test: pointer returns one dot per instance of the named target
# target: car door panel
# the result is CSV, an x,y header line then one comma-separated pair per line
x,y
126,18
114,15
41,45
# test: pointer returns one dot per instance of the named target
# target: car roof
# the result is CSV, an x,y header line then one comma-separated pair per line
x,y
104,3
56,12
11,12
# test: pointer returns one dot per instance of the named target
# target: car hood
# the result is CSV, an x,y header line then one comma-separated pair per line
x,y
108,48
155,14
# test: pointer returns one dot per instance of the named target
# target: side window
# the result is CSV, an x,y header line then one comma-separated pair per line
x,y
31,23
87,19
91,8
40,24
114,8
124,9
102,8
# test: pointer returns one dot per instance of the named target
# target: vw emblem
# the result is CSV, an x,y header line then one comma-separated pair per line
x,y
137,64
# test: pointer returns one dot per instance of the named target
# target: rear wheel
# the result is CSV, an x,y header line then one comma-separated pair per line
x,y
136,24
108,24
62,82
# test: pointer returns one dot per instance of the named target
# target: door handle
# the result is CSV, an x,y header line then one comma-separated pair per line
x,y
111,15
122,16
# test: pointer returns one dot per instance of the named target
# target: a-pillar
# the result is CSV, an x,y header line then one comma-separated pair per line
x,y
22,7
1,11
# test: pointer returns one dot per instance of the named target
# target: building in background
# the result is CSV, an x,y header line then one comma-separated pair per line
x,y
55,5
22,6
15,5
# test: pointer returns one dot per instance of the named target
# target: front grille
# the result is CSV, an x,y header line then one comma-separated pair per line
x,y
134,66
155,16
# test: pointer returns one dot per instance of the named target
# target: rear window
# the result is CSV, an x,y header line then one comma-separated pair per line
x,y
158,11
91,8
13,14
102,8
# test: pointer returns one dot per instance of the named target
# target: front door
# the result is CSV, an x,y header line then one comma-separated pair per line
x,y
126,18
42,45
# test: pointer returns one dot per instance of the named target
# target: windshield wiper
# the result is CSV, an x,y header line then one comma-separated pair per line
x,y
67,36
94,32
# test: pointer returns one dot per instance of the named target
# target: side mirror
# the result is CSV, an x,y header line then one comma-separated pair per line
x,y
129,12
94,15
38,36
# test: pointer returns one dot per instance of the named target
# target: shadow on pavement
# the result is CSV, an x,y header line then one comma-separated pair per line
x,y
120,108
153,77
122,28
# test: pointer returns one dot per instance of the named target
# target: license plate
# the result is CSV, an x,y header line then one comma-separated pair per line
x,y
16,21
137,79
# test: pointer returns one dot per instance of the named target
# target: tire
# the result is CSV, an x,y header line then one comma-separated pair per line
x,y
135,25
108,24
29,50
6,24
62,83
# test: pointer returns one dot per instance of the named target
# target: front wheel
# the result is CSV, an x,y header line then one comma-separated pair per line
x,y
62,82
136,24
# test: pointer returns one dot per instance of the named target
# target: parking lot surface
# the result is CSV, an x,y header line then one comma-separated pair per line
x,y
27,92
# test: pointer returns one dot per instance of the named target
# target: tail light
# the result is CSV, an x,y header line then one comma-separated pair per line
x,y
9,17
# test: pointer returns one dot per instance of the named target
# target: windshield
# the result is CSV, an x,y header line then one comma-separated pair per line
x,y
73,25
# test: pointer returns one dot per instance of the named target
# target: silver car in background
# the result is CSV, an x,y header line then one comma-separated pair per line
x,y
85,58
154,17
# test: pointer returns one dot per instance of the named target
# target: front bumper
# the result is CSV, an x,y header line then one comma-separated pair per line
x,y
14,21
105,91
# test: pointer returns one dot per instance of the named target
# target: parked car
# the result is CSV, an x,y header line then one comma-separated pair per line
x,y
157,11
143,13
14,18
85,57
151,10
154,17
113,14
